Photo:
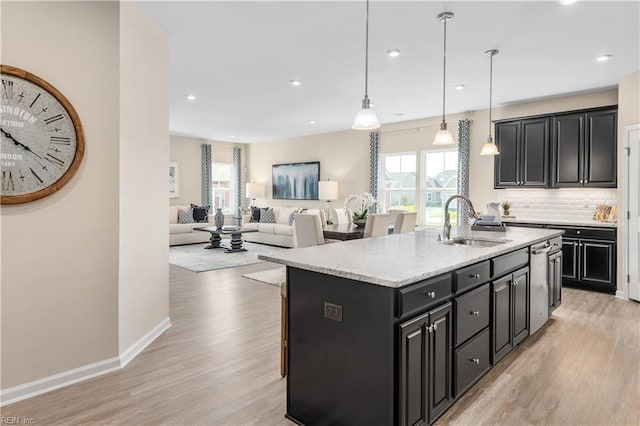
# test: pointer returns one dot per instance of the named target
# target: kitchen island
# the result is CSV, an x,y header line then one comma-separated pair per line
x,y
392,330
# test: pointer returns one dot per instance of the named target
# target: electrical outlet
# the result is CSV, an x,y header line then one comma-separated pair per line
x,y
332,311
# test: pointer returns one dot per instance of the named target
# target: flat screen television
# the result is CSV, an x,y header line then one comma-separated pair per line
x,y
296,181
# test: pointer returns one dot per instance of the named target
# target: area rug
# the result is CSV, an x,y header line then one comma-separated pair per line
x,y
196,258
270,276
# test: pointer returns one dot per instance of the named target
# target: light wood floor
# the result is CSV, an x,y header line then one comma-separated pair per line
x,y
219,365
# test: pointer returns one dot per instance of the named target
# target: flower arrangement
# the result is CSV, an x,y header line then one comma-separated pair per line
x,y
359,204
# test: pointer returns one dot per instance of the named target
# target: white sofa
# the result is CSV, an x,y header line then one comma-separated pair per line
x,y
183,233
278,234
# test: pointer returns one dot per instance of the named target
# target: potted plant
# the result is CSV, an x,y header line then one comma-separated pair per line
x,y
359,204
506,206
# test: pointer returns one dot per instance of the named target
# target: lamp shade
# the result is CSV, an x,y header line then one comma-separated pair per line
x,y
443,137
328,190
366,119
489,148
254,190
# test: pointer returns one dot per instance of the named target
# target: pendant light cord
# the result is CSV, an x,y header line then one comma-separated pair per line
x,y
490,89
366,55
444,69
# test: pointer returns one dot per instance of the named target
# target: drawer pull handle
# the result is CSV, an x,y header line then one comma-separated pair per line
x,y
431,294
475,360
475,313
474,276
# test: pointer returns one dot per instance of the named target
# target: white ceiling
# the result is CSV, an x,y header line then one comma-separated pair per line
x,y
238,58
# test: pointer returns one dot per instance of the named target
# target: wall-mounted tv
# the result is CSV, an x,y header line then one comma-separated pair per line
x,y
296,181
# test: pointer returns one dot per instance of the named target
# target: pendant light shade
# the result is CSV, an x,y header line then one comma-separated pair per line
x,y
444,137
366,119
490,148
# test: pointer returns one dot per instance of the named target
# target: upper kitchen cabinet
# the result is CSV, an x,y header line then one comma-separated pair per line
x,y
585,149
524,153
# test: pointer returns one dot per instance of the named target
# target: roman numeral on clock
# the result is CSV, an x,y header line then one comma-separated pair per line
x,y
35,100
54,160
38,180
7,181
53,119
7,89
60,140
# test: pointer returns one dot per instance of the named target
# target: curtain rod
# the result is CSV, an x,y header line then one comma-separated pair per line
x,y
417,129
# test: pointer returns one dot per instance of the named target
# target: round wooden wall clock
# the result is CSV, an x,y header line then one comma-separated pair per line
x,y
42,138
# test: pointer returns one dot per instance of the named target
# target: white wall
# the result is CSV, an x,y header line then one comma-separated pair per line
x,y
60,253
144,153
84,271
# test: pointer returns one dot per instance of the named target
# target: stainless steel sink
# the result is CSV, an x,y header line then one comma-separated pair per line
x,y
475,242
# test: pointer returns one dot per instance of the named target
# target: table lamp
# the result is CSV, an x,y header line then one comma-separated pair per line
x,y
254,190
328,190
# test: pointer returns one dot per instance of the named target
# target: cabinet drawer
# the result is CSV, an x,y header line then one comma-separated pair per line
x,y
423,294
471,362
510,262
592,233
472,275
471,313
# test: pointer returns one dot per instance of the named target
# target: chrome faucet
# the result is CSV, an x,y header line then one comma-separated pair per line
x,y
446,231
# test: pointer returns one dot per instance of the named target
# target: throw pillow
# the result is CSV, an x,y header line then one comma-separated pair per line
x,y
185,216
291,217
255,214
267,215
200,213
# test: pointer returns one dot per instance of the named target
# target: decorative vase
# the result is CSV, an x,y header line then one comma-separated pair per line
x,y
218,218
506,212
360,223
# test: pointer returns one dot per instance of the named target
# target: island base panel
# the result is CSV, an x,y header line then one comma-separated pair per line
x,y
325,355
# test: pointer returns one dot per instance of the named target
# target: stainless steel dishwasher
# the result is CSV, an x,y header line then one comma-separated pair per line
x,y
539,286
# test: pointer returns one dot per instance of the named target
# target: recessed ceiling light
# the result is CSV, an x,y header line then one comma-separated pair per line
x,y
312,122
603,58
567,2
393,53
459,86
191,97
295,82
399,114
232,137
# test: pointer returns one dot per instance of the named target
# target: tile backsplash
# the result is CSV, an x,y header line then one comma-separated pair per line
x,y
570,203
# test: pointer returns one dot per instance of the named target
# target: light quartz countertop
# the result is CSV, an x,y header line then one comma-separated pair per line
x,y
562,221
401,259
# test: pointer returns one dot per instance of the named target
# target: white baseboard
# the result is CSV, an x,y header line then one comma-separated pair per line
x,y
621,295
140,345
80,374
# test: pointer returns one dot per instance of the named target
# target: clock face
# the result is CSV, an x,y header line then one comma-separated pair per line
x,y
42,140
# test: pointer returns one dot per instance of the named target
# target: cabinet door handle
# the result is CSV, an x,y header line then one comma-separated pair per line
x,y
430,329
435,327
515,283
575,244
431,294
475,360
475,313
578,232
474,276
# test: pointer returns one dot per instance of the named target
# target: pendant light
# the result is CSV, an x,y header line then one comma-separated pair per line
x,y
444,137
490,148
366,119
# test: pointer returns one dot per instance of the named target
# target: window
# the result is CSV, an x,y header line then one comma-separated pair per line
x,y
398,182
440,182
223,187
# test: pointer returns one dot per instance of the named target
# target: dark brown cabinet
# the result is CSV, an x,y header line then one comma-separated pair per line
x,y
585,149
510,312
555,281
524,153
425,366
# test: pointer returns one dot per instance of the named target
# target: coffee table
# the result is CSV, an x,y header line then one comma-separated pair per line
x,y
216,237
